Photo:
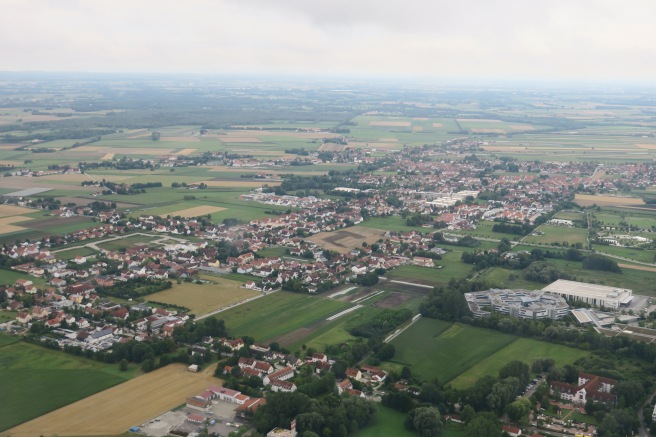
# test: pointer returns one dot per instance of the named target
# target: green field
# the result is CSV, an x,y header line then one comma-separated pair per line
x,y
337,331
73,252
460,354
387,423
278,314
522,349
39,380
452,267
558,234
484,229
627,252
124,243
10,276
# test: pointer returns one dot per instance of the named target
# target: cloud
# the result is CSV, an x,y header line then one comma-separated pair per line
x,y
562,39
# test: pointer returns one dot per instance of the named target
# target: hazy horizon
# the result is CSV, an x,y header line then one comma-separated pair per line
x,y
577,41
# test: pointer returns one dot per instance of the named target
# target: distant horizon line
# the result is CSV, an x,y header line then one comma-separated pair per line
x,y
356,78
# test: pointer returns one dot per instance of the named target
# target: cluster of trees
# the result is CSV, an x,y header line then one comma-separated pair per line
x,y
329,415
382,323
300,152
121,164
134,287
507,228
126,189
544,272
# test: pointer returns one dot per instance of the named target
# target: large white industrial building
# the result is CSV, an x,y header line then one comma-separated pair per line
x,y
592,294
524,304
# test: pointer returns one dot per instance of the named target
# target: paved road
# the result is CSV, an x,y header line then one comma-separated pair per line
x,y
94,245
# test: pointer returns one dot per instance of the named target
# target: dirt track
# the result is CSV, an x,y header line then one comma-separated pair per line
x,y
115,410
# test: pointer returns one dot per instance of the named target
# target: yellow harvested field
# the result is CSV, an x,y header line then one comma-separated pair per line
x,y
115,410
420,118
204,298
478,120
240,139
588,199
7,226
9,210
487,131
246,183
108,156
186,151
637,267
390,123
347,239
647,146
197,211
417,128
438,125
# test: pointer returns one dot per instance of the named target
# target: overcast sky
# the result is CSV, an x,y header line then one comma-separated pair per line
x,y
527,39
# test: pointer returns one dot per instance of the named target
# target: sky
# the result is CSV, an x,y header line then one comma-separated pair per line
x,y
581,40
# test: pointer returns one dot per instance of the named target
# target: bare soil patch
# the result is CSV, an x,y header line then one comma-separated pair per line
x,y
647,146
345,240
438,125
115,410
332,147
588,199
637,267
393,300
390,123
197,211
108,156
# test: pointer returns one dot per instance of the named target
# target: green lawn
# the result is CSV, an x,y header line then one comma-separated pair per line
x,y
436,349
387,423
522,349
484,229
558,234
392,223
337,331
452,267
277,314
39,380
10,276
72,253
627,252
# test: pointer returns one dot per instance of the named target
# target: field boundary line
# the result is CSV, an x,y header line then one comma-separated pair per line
x,y
220,310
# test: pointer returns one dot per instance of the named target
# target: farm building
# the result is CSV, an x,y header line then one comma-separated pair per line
x,y
593,294
524,304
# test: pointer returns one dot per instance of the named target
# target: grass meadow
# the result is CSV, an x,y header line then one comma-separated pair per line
x,y
278,314
39,380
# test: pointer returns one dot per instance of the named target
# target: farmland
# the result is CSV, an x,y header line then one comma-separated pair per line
x,y
345,240
558,234
588,200
277,314
203,298
114,410
460,354
27,371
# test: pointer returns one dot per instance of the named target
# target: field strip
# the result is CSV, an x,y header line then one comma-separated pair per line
x,y
399,331
362,299
412,283
196,211
114,410
635,267
343,313
341,293
220,310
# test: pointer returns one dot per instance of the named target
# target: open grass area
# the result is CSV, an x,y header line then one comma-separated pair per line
x,y
522,349
124,243
437,349
484,229
387,423
627,252
278,314
39,380
10,276
337,332
203,298
452,267
392,223
73,252
558,234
